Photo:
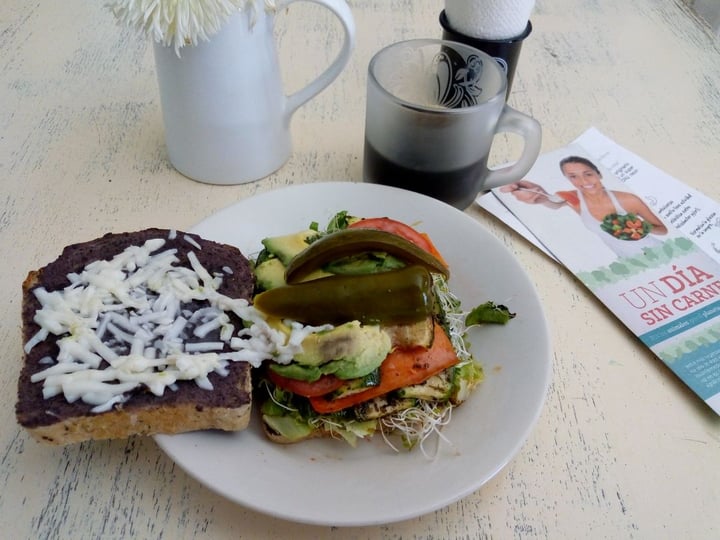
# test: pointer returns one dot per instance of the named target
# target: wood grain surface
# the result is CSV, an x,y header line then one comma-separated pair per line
x,y
621,450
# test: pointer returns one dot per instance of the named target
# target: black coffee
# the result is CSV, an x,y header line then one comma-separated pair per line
x,y
457,187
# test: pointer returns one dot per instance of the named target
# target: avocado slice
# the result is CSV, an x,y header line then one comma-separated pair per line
x,y
287,246
299,372
270,274
350,343
348,351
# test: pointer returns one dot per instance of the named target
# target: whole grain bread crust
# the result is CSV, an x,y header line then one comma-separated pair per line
x,y
122,423
189,408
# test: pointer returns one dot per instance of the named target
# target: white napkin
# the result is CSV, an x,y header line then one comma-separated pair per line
x,y
489,19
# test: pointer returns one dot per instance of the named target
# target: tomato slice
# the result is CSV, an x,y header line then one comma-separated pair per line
x,y
324,385
399,228
402,367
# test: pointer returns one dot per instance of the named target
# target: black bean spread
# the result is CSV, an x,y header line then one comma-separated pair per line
x,y
131,332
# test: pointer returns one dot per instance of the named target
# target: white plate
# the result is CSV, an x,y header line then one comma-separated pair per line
x,y
326,481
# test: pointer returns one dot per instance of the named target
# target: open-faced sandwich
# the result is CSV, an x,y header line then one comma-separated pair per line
x,y
389,352
129,334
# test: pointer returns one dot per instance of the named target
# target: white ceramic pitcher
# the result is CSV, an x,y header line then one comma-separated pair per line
x,y
225,112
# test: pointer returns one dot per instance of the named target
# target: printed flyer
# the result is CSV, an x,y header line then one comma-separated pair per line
x,y
641,241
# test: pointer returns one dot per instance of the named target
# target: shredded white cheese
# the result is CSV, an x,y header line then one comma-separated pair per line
x,y
122,323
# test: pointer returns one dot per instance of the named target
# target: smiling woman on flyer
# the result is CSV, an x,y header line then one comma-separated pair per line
x,y
597,207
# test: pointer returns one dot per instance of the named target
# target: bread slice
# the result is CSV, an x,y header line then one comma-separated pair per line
x,y
184,405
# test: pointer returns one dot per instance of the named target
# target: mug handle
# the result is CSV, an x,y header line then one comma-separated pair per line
x,y
512,121
343,13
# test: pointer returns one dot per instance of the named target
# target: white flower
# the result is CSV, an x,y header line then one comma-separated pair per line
x,y
178,22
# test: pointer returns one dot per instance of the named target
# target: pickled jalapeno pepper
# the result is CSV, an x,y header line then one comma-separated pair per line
x,y
396,297
353,241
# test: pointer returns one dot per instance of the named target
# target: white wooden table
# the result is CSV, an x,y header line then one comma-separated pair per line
x,y
621,450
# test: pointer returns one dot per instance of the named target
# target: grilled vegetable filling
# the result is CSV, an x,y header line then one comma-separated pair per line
x,y
396,357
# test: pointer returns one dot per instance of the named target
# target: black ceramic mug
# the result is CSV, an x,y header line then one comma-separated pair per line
x,y
505,51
